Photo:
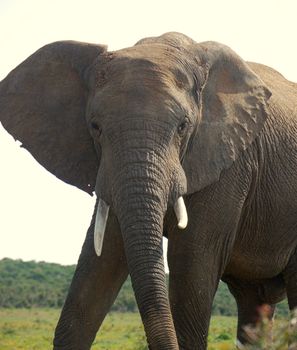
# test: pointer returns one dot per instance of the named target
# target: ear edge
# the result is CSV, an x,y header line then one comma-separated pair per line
x,y
17,103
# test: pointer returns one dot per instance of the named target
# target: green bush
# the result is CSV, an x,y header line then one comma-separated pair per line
x,y
40,284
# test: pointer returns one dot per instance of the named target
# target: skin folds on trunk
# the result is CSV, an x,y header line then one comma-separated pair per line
x,y
140,213
139,186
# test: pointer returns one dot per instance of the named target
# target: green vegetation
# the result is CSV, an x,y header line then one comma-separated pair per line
x,y
32,284
27,329
33,329
31,292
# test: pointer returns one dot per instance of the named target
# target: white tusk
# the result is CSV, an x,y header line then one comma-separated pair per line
x,y
100,224
181,213
239,345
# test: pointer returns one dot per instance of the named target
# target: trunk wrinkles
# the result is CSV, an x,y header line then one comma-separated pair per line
x,y
140,194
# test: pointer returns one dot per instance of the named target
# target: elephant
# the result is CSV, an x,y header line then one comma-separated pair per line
x,y
178,139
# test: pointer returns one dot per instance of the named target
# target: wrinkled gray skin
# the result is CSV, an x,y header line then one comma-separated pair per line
x,y
165,118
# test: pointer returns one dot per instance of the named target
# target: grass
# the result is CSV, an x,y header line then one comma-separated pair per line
x,y
121,331
32,329
222,333
26,329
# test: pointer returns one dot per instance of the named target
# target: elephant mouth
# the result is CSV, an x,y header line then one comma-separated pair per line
x,y
102,217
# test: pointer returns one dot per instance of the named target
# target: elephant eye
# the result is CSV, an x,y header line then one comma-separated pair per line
x,y
183,126
95,126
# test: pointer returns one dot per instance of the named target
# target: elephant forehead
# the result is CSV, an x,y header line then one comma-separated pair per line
x,y
125,74
131,84
137,102
140,101
152,65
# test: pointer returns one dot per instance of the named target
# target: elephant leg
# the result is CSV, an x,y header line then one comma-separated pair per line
x,y
195,270
191,300
197,257
251,309
290,277
95,285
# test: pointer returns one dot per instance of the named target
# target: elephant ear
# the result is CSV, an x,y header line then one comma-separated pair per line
x,y
233,109
43,104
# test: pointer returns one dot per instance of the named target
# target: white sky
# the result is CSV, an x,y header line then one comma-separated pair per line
x,y
45,219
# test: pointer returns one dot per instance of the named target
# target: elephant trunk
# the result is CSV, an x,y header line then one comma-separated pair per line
x,y
140,206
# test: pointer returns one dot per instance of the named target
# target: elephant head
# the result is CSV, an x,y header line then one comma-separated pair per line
x,y
143,127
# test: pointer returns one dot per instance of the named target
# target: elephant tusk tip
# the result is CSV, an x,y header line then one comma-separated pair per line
x,y
98,251
181,213
182,224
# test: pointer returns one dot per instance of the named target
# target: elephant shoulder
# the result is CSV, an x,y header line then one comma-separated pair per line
x,y
272,77
263,70
284,92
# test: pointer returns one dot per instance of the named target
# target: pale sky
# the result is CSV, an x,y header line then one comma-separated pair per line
x,y
41,217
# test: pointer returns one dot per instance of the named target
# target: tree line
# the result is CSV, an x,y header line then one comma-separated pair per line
x,y
28,284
